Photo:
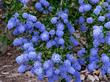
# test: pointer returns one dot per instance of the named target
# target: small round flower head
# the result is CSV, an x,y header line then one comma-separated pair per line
x,y
64,16
57,71
44,36
54,20
81,20
17,41
50,8
107,39
38,71
42,28
92,66
105,58
70,28
108,0
83,28
59,33
39,7
89,20
35,38
61,41
27,45
37,64
38,25
25,15
93,51
74,41
44,3
96,11
107,25
105,4
94,1
56,58
97,31
101,18
32,55
71,70
11,23
47,64
49,72
107,15
77,66
52,32
49,44
81,52
39,56
21,28
32,18
22,68
20,59
84,8
80,1
60,26
67,63
24,1
70,57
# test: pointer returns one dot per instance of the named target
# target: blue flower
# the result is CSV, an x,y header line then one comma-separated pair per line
x,y
27,45
94,1
11,23
56,58
70,28
92,66
21,28
59,33
101,18
22,68
52,32
76,66
70,57
32,55
105,58
44,3
61,41
44,36
83,28
89,20
32,18
93,51
20,59
39,7
24,1
47,64
25,15
60,26
49,72
54,20
81,52
74,41
107,25
38,71
37,64
18,42
81,20
67,63
105,4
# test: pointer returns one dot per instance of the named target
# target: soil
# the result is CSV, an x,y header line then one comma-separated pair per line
x,y
8,68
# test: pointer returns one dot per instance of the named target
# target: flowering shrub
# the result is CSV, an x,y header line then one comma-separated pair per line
x,y
49,50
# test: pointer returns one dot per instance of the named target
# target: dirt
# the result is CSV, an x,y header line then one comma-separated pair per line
x,y
8,68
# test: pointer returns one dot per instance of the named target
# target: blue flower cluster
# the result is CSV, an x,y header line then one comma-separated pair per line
x,y
43,6
32,34
99,21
